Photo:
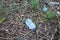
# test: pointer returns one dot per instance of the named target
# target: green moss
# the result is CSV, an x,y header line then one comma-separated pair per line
x,y
34,4
2,19
50,15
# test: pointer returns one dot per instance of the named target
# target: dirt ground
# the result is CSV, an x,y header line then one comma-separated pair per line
x,y
14,27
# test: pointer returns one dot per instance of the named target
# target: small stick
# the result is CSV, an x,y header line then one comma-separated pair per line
x,y
45,35
27,33
52,36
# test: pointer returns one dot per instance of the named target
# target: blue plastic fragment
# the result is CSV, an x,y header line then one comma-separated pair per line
x,y
44,9
30,24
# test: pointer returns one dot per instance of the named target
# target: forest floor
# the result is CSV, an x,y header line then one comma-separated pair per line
x,y
14,27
